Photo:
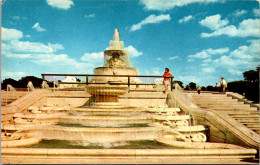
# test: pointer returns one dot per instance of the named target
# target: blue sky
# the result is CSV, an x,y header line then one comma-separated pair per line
x,y
198,40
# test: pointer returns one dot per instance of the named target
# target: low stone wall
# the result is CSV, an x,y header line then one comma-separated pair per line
x,y
222,127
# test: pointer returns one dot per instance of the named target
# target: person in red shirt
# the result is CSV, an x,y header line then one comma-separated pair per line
x,y
167,78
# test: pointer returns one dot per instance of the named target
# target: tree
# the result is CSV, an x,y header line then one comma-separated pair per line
x,y
179,82
203,88
193,86
237,86
249,87
10,81
252,75
37,82
211,88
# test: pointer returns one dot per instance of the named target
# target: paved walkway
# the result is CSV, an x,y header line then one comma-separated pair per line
x,y
122,160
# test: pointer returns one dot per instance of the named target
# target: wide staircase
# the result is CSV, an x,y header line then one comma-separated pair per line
x,y
8,97
243,113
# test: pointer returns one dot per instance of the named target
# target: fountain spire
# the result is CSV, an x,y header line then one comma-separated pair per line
x,y
116,35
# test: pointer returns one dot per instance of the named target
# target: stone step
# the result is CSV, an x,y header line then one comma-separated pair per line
x,y
255,113
221,103
154,110
244,116
217,101
228,108
180,117
209,101
250,120
196,128
213,98
252,125
237,113
8,101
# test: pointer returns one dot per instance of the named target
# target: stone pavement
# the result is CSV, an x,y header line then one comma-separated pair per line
x,y
124,160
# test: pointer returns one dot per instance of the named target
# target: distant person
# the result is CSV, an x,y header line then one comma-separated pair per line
x,y
198,89
222,84
167,79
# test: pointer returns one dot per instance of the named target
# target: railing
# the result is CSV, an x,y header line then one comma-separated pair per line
x,y
87,76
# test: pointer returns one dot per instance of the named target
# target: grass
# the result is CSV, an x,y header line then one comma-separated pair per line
x,y
66,144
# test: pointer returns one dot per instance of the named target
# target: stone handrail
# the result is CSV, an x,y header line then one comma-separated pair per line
x,y
223,128
22,104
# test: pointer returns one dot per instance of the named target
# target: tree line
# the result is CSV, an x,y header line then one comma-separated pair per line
x,y
249,87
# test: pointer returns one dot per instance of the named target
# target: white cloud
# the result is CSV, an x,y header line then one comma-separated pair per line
x,y
16,46
11,34
244,57
209,52
63,63
61,4
55,47
247,52
151,20
208,70
218,51
230,30
133,52
234,72
188,79
206,61
248,27
90,57
256,12
163,5
185,19
239,13
214,22
16,17
202,54
173,58
159,59
13,75
153,71
90,16
37,27
41,54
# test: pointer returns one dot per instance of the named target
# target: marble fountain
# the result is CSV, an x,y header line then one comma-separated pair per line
x,y
107,129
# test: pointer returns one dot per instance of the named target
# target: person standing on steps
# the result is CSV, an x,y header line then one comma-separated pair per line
x,y
198,89
167,79
222,84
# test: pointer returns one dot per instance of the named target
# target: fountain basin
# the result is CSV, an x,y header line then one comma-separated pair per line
x,y
18,140
84,120
114,71
198,145
97,135
104,121
106,90
125,111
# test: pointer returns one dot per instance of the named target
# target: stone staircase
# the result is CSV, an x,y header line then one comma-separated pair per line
x,y
11,96
243,113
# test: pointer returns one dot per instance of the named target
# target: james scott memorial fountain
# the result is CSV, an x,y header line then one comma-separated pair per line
x,y
95,125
